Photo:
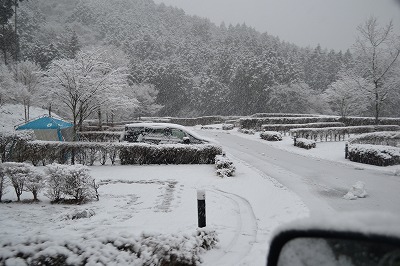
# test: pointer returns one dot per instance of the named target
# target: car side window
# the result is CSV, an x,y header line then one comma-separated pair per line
x,y
177,133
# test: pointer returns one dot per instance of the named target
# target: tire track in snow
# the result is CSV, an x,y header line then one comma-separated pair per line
x,y
245,232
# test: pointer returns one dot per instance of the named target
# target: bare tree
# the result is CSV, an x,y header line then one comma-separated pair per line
x,y
344,95
28,74
84,83
377,51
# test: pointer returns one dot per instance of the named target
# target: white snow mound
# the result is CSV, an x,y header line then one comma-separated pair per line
x,y
356,191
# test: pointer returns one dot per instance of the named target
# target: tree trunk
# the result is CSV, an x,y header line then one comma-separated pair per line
x,y
99,117
4,45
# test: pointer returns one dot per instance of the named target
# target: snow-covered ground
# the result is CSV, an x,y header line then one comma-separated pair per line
x,y
161,200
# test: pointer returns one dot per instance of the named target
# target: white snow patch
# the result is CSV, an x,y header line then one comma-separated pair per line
x,y
356,191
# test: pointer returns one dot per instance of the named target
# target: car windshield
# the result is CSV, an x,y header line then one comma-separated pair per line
x,y
173,132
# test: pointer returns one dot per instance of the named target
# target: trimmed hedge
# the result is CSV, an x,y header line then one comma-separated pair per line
x,y
99,136
284,128
364,121
271,135
304,143
87,153
256,123
338,133
387,138
374,154
168,154
204,120
281,115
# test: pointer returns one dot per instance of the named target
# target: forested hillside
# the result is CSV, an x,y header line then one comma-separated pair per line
x,y
180,65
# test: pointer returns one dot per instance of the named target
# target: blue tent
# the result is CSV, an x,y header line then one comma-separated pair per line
x,y
49,128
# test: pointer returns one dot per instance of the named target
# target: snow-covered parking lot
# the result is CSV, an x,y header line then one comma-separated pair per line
x,y
161,200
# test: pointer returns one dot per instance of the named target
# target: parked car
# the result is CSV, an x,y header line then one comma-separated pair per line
x,y
160,133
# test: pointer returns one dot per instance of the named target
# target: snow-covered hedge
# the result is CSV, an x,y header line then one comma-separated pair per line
x,y
387,138
225,167
227,126
374,154
109,249
11,141
281,115
338,133
87,153
246,131
256,123
304,143
99,136
285,128
142,153
364,121
271,135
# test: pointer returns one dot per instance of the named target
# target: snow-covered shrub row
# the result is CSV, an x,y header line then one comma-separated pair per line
x,y
285,128
246,131
271,135
141,153
109,249
304,143
62,182
259,115
225,167
387,138
374,154
88,153
256,123
338,133
99,136
364,121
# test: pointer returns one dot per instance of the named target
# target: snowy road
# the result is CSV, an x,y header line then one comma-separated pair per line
x,y
321,184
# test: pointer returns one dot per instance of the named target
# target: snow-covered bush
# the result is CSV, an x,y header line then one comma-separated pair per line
x,y
374,154
227,126
225,167
387,138
4,182
304,143
55,181
260,115
12,144
112,249
364,121
24,177
271,135
203,120
246,131
69,183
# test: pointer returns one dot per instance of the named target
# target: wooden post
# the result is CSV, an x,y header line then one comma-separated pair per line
x,y
201,208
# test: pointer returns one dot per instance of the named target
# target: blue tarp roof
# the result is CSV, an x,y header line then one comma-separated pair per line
x,y
45,123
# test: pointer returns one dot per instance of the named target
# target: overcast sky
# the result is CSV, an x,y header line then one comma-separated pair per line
x,y
330,23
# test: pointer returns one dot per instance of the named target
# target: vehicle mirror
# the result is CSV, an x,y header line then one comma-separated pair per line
x,y
322,247
186,140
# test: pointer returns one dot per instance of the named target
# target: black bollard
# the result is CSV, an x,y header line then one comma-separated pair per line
x,y
201,208
346,151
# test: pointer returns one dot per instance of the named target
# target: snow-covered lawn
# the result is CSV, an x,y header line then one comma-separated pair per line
x,y
161,200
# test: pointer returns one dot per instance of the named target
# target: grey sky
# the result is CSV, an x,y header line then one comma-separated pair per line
x,y
331,23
